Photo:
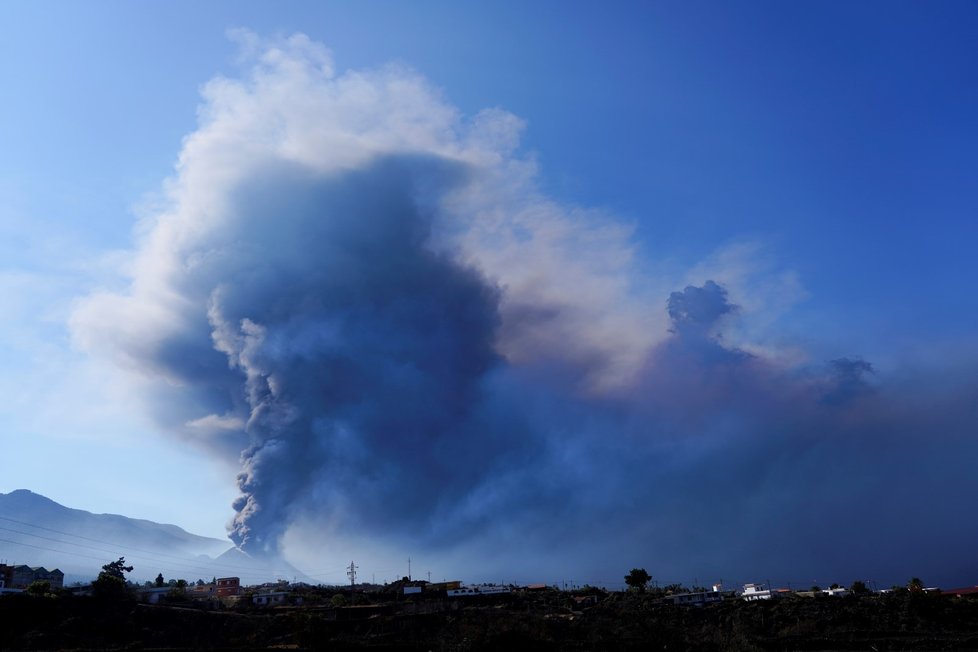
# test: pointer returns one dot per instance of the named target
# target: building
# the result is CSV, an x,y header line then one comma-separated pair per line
x,y
228,587
757,592
22,576
695,598
202,590
582,601
270,598
153,594
471,591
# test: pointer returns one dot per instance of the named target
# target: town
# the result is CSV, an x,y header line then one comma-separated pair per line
x,y
112,612
229,591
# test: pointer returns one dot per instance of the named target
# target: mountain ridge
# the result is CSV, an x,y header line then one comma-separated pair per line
x,y
26,498
38,531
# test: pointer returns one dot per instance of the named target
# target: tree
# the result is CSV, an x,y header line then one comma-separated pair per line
x,y
858,588
116,569
160,581
178,593
638,579
39,587
111,582
915,585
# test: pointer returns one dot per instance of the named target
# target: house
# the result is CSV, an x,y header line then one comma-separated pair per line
x,y
228,587
757,592
270,598
695,598
582,601
471,591
202,591
153,594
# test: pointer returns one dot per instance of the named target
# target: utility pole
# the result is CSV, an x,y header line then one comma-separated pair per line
x,y
409,568
352,574
429,577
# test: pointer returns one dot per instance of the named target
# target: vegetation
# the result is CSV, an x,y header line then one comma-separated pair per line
x,y
858,588
39,587
111,582
551,620
638,579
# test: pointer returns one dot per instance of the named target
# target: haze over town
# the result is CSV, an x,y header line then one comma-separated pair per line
x,y
515,291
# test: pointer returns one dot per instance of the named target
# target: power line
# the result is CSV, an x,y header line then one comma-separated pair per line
x,y
109,543
188,569
38,536
185,565
64,552
184,560
181,566
80,545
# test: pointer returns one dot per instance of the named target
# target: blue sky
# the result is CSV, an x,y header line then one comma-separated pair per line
x,y
815,160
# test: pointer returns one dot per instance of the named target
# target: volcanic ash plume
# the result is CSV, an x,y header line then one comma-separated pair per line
x,y
344,324
365,301
307,302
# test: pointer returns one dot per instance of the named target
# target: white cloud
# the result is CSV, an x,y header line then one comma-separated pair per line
x,y
572,288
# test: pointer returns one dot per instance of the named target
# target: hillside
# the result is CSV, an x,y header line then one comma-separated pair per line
x,y
547,621
37,531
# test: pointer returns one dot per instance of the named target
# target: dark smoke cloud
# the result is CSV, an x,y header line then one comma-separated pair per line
x,y
352,349
404,344
367,336
698,309
848,380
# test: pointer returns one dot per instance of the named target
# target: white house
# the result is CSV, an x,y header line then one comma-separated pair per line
x,y
469,591
757,592
696,598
